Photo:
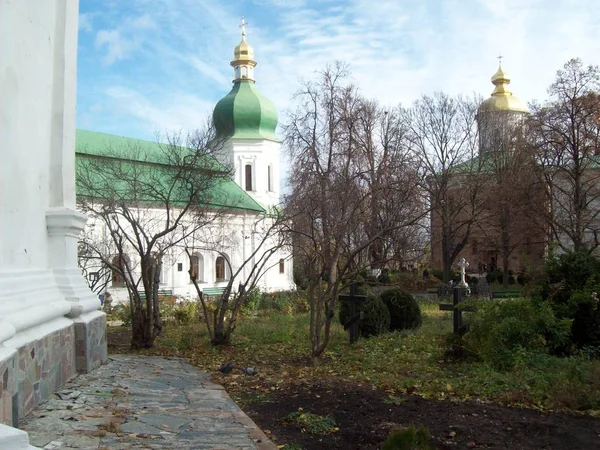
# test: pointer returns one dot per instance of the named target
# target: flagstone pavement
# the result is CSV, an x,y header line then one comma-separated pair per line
x,y
143,402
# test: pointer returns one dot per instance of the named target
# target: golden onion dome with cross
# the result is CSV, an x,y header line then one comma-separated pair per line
x,y
502,99
243,58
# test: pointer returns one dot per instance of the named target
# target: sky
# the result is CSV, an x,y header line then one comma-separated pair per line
x,y
158,66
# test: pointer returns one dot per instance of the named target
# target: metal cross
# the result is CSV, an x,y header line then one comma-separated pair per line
x,y
500,60
243,26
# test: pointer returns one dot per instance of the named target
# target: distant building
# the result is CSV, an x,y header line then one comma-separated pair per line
x,y
504,224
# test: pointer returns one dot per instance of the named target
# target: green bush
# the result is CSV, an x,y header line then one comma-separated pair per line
x,y
584,309
122,312
376,320
438,273
384,277
567,284
410,438
566,274
523,278
491,276
501,331
405,312
280,301
511,279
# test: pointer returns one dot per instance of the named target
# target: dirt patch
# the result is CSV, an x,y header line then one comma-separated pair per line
x,y
365,416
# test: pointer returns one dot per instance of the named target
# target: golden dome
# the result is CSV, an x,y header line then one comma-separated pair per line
x,y
502,98
243,53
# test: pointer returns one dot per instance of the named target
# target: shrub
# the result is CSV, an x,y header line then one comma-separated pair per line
x,y
438,273
408,439
251,302
499,277
405,312
491,277
122,312
523,278
584,309
281,301
376,320
384,277
511,279
501,331
566,274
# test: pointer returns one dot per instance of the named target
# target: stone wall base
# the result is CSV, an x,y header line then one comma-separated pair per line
x,y
34,364
90,341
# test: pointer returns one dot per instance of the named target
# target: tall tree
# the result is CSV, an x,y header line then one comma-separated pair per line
x,y
334,183
565,131
148,198
442,135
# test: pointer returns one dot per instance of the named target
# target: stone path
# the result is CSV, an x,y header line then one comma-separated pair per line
x,y
142,402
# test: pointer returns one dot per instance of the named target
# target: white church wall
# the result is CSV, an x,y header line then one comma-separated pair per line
x,y
234,235
49,326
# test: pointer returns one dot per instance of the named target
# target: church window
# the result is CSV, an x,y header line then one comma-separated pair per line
x,y
281,266
248,176
196,267
270,178
474,245
119,270
220,268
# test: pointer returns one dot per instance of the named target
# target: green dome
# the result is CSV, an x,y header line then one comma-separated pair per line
x,y
245,113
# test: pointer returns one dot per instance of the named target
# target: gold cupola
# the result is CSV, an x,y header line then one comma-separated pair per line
x,y
243,59
502,98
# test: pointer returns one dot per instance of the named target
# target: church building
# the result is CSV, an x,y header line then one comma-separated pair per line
x,y
503,231
245,123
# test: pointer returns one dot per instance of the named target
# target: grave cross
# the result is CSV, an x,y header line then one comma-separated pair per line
x,y
458,294
352,300
462,265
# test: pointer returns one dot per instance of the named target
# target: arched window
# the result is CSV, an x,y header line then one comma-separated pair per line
x,y
248,176
270,178
121,263
281,266
196,267
220,268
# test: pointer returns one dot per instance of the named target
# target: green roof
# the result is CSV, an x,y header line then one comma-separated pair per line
x,y
245,113
137,155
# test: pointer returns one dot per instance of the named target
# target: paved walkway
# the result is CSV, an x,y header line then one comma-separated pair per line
x,y
141,402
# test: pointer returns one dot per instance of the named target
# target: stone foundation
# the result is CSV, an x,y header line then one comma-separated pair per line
x,y
90,341
30,372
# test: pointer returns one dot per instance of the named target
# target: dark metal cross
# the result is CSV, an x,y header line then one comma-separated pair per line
x,y
352,322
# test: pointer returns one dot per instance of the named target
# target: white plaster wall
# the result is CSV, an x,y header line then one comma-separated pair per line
x,y
26,92
232,233
260,154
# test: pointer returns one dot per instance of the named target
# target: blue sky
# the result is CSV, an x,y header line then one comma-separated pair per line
x,y
148,66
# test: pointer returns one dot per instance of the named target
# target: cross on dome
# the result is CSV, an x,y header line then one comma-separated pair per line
x,y
243,27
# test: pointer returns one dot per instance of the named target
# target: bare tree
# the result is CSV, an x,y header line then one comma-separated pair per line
x,y
149,198
338,172
565,132
268,239
442,135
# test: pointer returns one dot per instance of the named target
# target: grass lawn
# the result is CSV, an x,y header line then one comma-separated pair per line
x,y
398,363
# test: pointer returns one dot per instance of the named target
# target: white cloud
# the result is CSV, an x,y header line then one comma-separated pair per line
x,y
85,21
397,51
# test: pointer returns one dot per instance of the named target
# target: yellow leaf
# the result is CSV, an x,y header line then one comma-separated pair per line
x,y
448,387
